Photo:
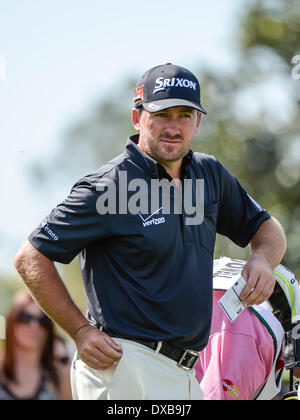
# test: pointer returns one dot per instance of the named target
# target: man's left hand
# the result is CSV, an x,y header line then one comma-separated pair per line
x,y
260,281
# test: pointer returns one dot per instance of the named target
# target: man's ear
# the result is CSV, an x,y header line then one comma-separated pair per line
x,y
136,116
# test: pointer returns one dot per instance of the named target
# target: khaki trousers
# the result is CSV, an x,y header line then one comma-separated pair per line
x,y
141,374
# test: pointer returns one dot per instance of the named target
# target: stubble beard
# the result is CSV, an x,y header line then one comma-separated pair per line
x,y
162,152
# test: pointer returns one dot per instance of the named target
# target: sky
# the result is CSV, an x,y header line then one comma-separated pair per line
x,y
58,57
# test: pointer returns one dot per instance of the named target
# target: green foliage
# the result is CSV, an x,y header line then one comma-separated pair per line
x,y
273,24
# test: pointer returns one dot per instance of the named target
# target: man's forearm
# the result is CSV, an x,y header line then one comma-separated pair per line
x,y
269,242
267,249
48,289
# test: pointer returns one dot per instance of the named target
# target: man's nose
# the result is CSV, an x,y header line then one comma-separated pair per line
x,y
172,126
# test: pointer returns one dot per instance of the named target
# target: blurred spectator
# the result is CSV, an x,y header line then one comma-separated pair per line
x,y
27,370
62,362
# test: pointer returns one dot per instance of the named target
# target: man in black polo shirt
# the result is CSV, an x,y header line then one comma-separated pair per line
x,y
144,226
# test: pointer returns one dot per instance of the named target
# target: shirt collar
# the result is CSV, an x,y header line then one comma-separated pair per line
x,y
146,162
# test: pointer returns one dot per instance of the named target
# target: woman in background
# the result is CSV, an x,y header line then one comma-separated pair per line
x,y
62,362
27,370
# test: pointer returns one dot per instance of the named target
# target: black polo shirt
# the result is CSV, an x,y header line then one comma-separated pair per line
x,y
149,276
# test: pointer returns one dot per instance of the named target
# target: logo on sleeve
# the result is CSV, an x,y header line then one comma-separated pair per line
x,y
49,232
259,207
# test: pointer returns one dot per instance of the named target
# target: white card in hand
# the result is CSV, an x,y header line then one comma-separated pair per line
x,y
230,301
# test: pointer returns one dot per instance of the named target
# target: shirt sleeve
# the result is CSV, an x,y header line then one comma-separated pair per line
x,y
72,225
239,214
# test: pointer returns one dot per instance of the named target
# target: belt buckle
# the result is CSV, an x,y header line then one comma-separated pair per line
x,y
194,354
